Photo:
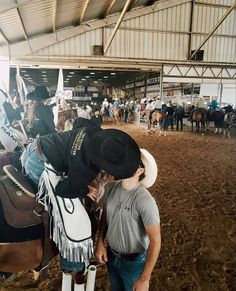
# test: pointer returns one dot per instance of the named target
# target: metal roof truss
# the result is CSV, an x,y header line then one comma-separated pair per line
x,y
199,72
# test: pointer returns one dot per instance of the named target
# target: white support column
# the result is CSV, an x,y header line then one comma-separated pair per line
x,y
161,84
4,68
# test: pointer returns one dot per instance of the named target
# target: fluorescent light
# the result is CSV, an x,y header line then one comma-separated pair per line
x,y
86,76
72,73
83,79
92,73
105,77
95,81
113,73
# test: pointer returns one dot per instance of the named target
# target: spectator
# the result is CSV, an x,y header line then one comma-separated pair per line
x,y
96,119
179,114
131,224
169,120
41,119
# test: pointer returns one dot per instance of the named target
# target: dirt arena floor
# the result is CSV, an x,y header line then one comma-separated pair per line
x,y
195,192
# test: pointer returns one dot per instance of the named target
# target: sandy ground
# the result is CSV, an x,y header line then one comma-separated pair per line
x,y
195,192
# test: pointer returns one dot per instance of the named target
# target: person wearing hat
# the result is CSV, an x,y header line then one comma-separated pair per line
x,y
66,163
129,237
105,103
96,119
41,119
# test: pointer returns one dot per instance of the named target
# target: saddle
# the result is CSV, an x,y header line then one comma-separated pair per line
x,y
21,209
18,200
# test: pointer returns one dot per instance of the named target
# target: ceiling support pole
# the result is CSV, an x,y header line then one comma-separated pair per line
x,y
214,29
117,25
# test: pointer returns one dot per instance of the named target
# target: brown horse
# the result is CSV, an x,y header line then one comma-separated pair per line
x,y
156,117
19,208
22,221
104,112
116,115
199,116
65,115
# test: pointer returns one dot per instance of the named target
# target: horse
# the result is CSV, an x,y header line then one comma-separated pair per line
x,y
159,118
23,222
104,112
116,115
25,241
229,123
64,116
199,116
216,116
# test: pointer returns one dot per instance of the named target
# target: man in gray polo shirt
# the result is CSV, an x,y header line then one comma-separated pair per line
x,y
131,225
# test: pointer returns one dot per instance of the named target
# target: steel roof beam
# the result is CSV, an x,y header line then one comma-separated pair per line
x,y
112,3
83,10
54,16
117,25
22,24
23,27
214,28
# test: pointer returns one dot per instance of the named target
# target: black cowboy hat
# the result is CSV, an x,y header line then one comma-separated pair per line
x,y
40,93
30,95
115,152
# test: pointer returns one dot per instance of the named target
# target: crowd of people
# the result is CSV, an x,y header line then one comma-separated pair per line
x,y
62,166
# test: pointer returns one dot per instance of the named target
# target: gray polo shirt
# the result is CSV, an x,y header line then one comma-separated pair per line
x,y
128,212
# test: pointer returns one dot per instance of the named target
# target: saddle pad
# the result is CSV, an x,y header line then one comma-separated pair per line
x,y
9,234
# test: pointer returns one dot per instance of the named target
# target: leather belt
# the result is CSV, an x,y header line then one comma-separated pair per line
x,y
39,151
127,257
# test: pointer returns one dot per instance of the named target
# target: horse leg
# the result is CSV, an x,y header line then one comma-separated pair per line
x,y
203,127
197,126
149,124
228,131
191,126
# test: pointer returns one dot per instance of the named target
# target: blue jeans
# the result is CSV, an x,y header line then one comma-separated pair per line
x,y
32,163
68,266
123,273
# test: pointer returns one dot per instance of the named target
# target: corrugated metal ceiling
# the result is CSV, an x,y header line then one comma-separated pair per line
x,y
32,18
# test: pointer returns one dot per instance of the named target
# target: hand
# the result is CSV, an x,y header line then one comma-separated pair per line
x,y
141,285
101,253
93,192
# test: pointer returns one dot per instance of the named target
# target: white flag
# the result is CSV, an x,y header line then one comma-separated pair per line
x,y
6,136
59,94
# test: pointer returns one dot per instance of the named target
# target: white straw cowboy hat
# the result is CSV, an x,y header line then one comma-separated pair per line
x,y
151,169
